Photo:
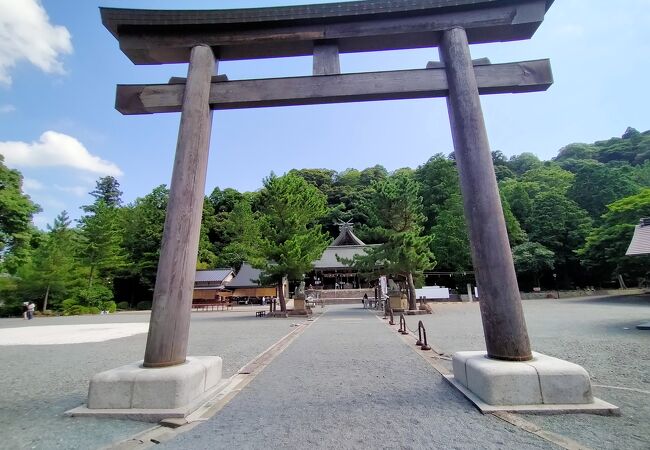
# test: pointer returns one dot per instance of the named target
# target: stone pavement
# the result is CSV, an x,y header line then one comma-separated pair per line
x,y
599,333
40,382
349,382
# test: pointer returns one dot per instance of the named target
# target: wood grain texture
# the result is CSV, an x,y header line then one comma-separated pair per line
x,y
159,37
504,326
326,59
172,300
528,76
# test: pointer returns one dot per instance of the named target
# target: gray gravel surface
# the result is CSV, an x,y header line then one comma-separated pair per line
x,y
39,383
349,382
597,333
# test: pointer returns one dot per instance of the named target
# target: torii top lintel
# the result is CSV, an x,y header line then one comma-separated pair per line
x,y
166,36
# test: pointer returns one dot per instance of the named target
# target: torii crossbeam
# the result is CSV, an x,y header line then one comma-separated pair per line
x,y
203,38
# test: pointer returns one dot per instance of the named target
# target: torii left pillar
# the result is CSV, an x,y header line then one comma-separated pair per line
x,y
172,299
168,383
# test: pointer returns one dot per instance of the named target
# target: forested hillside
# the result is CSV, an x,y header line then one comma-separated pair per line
x,y
572,216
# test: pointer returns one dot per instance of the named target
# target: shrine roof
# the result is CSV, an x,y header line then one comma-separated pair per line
x,y
147,36
640,244
329,259
218,275
247,277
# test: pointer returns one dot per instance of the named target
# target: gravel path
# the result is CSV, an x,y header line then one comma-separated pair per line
x,y
597,333
349,382
39,383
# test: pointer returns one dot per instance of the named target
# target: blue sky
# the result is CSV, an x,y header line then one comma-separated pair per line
x,y
59,67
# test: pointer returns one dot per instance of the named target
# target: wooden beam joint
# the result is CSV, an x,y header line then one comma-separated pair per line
x,y
527,76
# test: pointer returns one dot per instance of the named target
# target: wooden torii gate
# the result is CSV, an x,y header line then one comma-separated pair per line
x,y
203,38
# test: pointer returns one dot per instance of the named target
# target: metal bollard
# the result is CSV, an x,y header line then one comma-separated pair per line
x,y
392,321
422,332
402,328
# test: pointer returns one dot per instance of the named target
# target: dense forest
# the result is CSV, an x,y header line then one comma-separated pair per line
x,y
569,221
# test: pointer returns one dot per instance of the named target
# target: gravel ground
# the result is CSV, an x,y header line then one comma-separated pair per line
x,y
349,382
597,333
39,383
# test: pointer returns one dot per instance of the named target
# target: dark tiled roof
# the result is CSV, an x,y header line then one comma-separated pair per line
x,y
212,275
247,276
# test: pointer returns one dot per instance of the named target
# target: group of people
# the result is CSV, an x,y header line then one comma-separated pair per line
x,y
28,310
369,303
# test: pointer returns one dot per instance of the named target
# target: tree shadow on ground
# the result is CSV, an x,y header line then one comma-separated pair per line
x,y
631,300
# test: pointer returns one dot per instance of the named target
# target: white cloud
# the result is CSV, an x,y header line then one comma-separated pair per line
x,y
29,184
79,191
6,109
56,149
27,34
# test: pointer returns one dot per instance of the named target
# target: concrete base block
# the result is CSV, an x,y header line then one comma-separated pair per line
x,y
152,394
514,386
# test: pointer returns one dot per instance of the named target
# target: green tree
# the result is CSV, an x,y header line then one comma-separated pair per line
x,y
101,241
450,239
605,247
108,189
549,177
351,190
523,162
291,236
633,147
216,217
395,210
532,258
438,179
244,236
519,196
596,185
16,212
142,224
560,225
501,166
207,257
641,174
55,266
324,180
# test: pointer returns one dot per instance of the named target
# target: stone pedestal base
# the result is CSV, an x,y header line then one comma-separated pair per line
x,y
544,384
299,303
139,393
398,303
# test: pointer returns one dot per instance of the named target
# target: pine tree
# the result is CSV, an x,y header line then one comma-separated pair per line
x,y
395,211
291,236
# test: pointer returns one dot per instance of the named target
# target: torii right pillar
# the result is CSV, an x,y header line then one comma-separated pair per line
x,y
508,376
504,325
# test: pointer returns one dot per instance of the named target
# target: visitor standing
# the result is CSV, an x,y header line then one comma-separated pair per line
x,y
365,300
30,310
25,310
